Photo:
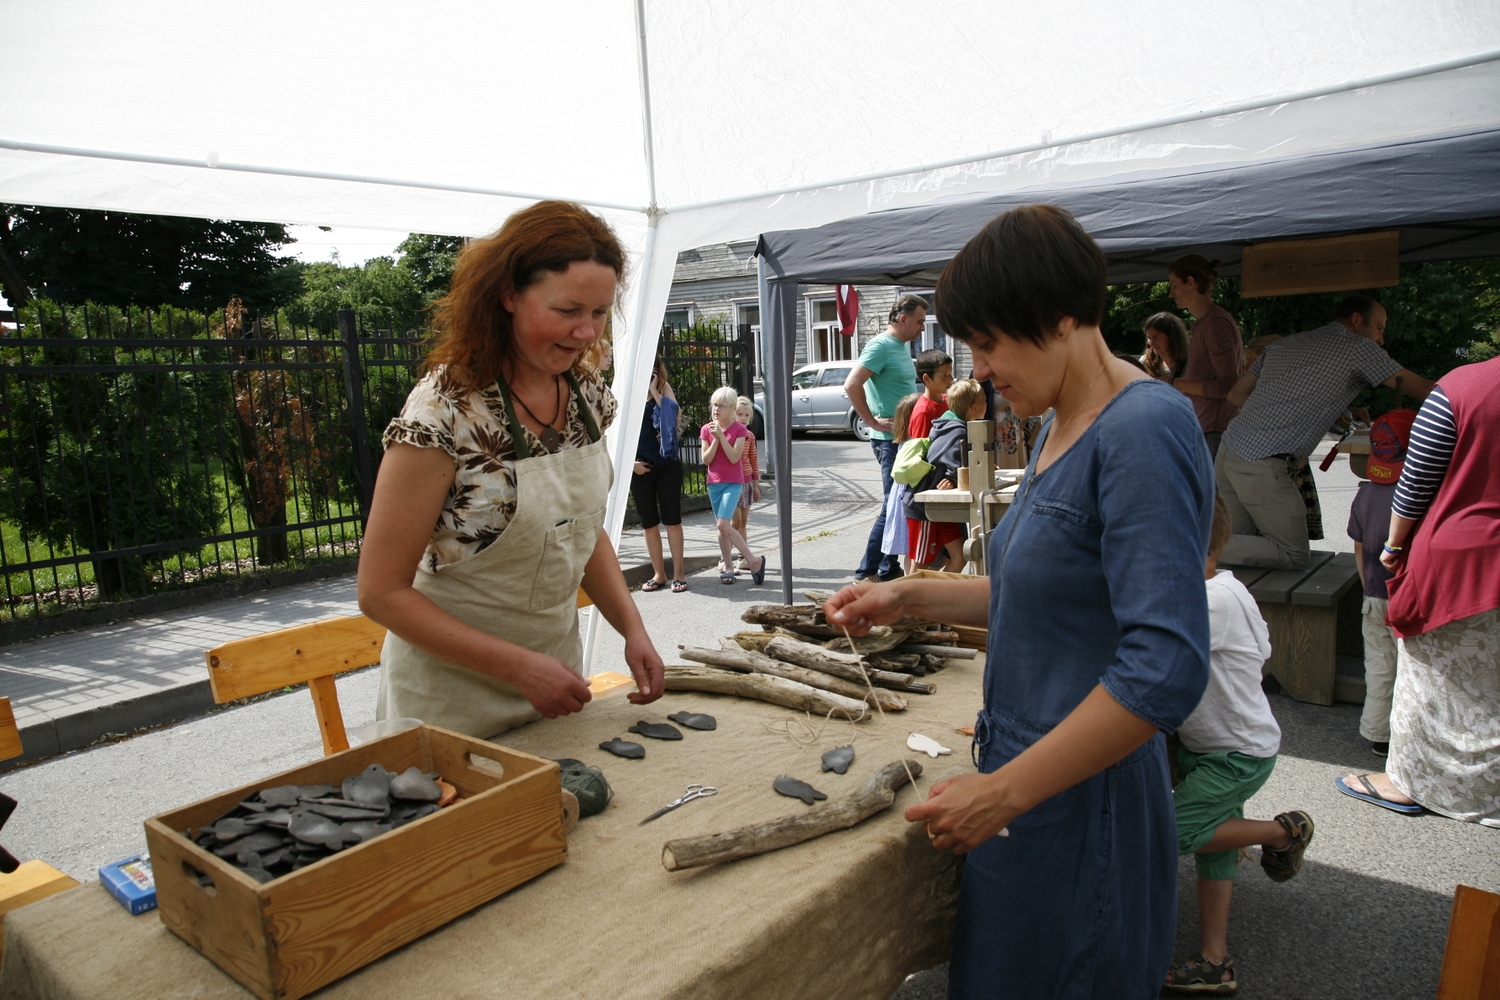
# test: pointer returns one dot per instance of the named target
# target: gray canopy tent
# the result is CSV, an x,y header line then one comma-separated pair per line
x,y
1441,192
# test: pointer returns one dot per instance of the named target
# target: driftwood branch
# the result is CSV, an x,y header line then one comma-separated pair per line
x,y
804,619
901,663
845,665
764,687
876,794
947,652
734,657
865,645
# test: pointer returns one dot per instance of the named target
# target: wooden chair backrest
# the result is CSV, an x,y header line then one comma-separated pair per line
x,y
1471,961
305,654
10,734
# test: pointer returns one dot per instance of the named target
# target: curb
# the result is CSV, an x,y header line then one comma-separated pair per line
x,y
60,734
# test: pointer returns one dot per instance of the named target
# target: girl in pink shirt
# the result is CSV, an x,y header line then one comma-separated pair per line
x,y
723,449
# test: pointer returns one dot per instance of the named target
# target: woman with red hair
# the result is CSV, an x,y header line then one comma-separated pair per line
x,y
489,507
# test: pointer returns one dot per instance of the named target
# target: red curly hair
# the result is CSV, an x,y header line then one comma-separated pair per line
x,y
472,333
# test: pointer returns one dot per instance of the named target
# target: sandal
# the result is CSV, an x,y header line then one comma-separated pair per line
x,y
759,576
1282,863
679,586
1202,976
1373,797
652,585
726,578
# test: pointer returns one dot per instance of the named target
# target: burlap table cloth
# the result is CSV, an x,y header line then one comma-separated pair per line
x,y
849,914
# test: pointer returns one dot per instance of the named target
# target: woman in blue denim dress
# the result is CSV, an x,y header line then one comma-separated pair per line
x,y
1098,624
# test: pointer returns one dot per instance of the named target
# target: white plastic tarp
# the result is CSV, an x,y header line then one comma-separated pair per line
x,y
722,119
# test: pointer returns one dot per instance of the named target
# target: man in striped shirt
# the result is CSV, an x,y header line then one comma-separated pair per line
x,y
1289,398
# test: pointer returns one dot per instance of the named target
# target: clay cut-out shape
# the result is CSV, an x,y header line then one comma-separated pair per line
x,y
371,786
362,830
695,720
623,748
414,786
839,759
312,829
657,730
792,788
231,828
927,745
341,810
282,796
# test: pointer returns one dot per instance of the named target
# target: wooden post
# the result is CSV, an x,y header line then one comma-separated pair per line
x,y
981,478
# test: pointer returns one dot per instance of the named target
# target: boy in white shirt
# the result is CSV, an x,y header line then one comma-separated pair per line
x,y
1229,747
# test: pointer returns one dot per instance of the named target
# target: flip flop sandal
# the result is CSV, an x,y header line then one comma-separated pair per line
x,y
679,586
1282,863
759,576
1373,797
1203,976
653,585
726,578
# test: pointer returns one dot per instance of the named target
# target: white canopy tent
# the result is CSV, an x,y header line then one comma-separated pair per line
x,y
688,122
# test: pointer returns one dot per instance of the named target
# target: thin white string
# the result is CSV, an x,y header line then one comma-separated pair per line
x,y
860,662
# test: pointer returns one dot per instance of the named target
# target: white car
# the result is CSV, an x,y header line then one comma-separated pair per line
x,y
819,402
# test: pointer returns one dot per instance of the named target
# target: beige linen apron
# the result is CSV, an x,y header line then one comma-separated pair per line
x,y
522,588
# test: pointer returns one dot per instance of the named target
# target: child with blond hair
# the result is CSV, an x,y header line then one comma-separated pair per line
x,y
749,464
723,447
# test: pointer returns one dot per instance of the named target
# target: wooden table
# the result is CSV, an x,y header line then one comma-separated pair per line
x,y
847,915
1357,447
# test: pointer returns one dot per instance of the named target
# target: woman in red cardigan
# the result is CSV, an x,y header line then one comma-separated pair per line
x,y
1444,548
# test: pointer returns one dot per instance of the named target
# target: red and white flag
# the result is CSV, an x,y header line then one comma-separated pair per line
x,y
846,300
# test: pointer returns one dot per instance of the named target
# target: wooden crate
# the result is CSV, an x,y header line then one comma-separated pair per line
x,y
973,638
290,936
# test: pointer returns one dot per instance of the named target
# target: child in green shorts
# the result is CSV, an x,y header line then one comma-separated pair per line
x,y
1229,747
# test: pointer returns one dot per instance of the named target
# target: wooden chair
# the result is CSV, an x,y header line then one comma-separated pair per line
x,y
34,880
1471,961
312,655
304,654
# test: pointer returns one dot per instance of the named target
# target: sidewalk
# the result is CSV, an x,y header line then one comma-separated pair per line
x,y
70,690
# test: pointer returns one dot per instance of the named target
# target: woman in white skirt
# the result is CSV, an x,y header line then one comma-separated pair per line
x,y
1444,549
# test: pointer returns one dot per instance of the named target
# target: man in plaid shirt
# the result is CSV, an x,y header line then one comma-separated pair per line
x,y
1289,398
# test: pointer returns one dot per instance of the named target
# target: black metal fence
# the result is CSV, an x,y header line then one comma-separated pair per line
x,y
701,358
146,450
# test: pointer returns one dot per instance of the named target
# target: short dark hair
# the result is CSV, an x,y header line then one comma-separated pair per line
x,y
905,306
929,361
1196,268
1352,304
1022,273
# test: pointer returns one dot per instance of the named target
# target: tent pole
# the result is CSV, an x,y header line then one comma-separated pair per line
x,y
638,347
776,333
630,383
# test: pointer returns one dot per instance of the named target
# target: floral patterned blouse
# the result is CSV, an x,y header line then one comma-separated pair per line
x,y
472,429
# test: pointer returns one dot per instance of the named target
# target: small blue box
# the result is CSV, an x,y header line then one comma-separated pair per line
x,y
132,883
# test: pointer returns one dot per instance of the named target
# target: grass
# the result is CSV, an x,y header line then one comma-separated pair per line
x,y
54,589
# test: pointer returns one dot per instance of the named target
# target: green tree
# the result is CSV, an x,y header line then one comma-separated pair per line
x,y
377,290
110,473
73,256
430,261
1441,315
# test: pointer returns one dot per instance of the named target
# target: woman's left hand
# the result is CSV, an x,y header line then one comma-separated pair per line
x,y
963,812
646,667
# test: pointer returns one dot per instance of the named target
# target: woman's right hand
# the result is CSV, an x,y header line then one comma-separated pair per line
x,y
550,685
863,604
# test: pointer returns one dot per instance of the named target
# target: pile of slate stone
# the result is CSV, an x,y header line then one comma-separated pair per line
x,y
281,829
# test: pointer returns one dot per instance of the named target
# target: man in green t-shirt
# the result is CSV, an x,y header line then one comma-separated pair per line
x,y
883,375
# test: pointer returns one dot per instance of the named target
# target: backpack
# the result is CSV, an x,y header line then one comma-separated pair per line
x,y
665,419
911,464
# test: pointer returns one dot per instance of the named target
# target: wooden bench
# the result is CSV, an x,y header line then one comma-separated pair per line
x,y
1314,617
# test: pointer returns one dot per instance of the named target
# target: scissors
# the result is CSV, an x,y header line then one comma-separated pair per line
x,y
693,792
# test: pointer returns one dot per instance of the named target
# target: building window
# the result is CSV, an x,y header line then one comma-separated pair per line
x,y
933,335
747,314
825,343
679,315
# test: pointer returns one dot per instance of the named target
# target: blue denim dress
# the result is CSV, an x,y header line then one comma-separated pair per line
x,y
1096,577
